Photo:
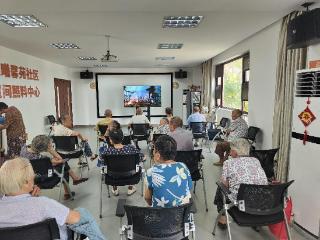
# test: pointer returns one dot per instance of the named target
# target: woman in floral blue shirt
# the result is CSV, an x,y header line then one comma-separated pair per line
x,y
168,182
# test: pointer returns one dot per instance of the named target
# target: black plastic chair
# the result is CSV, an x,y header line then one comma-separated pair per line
x,y
126,140
121,170
193,161
45,230
215,134
68,147
266,159
256,205
252,134
199,129
144,223
47,177
102,129
140,132
224,123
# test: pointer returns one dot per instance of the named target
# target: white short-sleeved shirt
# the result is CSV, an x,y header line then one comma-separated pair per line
x,y
25,209
138,119
60,130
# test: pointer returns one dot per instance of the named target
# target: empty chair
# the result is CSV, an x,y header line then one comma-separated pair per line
x,y
68,147
193,160
215,134
266,158
126,140
174,223
47,177
120,170
45,230
252,134
256,205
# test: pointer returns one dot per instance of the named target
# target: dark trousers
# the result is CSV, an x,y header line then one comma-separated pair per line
x,y
218,199
66,170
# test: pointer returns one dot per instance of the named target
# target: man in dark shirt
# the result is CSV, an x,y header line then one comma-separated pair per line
x,y
16,131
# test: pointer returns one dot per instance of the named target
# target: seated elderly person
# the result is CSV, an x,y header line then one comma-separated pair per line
x,y
20,204
139,118
182,136
117,148
240,168
65,129
163,127
168,183
238,129
41,144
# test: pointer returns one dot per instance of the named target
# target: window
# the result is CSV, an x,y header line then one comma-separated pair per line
x,y
232,84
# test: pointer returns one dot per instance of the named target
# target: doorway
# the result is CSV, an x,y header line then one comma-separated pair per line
x,y
63,97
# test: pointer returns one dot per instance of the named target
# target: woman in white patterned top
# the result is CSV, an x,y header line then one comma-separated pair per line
x,y
239,169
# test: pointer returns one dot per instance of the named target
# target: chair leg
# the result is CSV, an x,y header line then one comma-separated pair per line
x,y
68,188
100,207
204,191
216,222
194,187
228,225
108,191
85,157
142,184
287,225
61,181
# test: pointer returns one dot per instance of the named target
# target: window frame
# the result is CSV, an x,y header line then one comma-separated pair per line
x,y
244,84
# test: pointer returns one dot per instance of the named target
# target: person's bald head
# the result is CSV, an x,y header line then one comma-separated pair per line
x,y
236,113
108,113
196,109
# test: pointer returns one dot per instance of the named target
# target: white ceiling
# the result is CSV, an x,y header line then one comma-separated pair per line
x,y
135,27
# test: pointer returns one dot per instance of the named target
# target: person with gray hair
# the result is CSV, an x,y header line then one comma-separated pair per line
x,y
240,168
163,127
41,144
21,204
182,136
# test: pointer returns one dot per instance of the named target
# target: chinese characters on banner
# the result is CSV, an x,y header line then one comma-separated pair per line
x,y
22,73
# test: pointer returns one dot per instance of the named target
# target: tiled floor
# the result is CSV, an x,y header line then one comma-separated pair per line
x,y
87,196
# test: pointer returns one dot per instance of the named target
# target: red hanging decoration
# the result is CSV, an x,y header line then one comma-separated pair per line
x,y
306,117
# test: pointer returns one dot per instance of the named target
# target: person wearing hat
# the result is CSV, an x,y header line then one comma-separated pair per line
x,y
41,144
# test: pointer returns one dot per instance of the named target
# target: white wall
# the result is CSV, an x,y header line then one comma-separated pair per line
x,y
263,48
33,109
85,98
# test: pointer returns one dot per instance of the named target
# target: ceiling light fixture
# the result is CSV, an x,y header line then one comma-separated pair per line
x,y
22,21
64,45
87,58
165,58
170,45
181,21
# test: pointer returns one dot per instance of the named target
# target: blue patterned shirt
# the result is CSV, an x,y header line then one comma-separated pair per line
x,y
171,184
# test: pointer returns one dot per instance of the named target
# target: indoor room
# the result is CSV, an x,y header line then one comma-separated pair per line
x,y
162,120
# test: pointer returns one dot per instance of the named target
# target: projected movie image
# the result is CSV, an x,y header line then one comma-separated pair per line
x,y
142,96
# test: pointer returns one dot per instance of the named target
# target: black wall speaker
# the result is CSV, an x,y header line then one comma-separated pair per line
x,y
86,75
181,74
304,30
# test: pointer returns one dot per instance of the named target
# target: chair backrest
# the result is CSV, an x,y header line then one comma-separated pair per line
x,y
124,165
224,122
126,140
102,129
45,230
140,129
158,223
252,133
262,199
191,159
51,119
42,167
198,127
65,143
156,136
266,159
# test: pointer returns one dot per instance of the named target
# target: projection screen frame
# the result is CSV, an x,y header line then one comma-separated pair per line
x,y
129,116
